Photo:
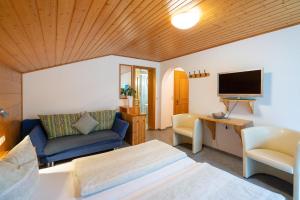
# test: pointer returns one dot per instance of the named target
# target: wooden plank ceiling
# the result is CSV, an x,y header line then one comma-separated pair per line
x,y
37,34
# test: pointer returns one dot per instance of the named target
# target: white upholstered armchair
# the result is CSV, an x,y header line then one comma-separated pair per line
x,y
274,151
187,129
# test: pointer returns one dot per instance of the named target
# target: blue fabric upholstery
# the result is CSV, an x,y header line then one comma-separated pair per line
x,y
81,151
76,145
39,140
118,115
61,144
120,127
27,125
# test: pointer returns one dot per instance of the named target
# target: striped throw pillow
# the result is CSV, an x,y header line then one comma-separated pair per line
x,y
60,125
105,118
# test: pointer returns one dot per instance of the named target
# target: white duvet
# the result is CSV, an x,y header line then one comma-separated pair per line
x,y
183,179
203,181
97,173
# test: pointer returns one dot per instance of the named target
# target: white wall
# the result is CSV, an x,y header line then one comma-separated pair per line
x,y
167,99
278,52
83,86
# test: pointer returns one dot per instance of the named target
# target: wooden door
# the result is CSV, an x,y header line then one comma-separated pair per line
x,y
181,92
151,97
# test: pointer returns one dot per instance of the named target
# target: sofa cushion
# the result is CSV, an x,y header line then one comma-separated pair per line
x,y
105,118
61,144
86,123
272,158
60,125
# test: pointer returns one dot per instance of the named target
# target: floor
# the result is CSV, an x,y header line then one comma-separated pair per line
x,y
226,162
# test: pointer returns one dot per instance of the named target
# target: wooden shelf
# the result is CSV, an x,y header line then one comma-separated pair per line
x,y
238,124
249,103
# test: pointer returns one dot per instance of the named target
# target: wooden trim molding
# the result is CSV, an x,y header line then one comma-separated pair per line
x,y
10,101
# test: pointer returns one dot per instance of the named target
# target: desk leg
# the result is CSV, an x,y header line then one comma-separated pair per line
x,y
212,128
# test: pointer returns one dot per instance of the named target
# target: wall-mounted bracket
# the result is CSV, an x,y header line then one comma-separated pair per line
x,y
249,103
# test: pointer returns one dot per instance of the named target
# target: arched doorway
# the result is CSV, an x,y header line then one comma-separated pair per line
x,y
174,95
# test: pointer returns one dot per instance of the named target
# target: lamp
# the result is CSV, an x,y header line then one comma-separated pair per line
x,y
3,113
187,19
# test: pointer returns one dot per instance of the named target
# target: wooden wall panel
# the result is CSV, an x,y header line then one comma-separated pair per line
x,y
11,101
38,34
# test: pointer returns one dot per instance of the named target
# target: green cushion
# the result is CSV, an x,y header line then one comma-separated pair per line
x,y
85,124
105,118
60,125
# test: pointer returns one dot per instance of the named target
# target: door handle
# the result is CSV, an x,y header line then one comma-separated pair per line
x,y
177,102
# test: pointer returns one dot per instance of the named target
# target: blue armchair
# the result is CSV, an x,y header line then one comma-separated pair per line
x,y
61,148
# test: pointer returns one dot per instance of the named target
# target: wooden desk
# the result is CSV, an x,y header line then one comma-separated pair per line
x,y
238,124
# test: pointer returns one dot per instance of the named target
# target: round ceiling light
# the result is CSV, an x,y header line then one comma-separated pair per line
x,y
187,19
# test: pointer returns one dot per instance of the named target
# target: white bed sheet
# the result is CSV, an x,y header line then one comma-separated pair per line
x,y
57,183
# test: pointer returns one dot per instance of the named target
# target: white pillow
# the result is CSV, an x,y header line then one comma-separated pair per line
x,y
19,173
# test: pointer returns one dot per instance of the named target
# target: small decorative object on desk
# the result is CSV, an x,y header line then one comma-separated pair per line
x,y
199,74
219,115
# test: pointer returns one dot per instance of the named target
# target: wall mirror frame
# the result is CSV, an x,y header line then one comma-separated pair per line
x,y
125,78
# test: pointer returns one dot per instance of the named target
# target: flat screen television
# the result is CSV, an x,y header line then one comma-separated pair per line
x,y
241,84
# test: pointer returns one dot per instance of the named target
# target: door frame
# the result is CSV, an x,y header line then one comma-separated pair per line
x,y
151,91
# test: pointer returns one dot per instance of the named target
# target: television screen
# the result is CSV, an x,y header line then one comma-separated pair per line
x,y
239,84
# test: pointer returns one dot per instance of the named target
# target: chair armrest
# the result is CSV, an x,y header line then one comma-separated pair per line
x,y
120,126
256,137
39,140
197,126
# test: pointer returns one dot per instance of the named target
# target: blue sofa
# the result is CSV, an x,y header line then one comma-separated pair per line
x,y
61,148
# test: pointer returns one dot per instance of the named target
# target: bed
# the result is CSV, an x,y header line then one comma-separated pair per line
x,y
181,179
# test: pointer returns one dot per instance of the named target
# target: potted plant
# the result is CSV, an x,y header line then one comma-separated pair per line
x,y
129,93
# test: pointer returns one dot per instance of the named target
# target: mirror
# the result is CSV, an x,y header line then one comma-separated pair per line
x,y
125,78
